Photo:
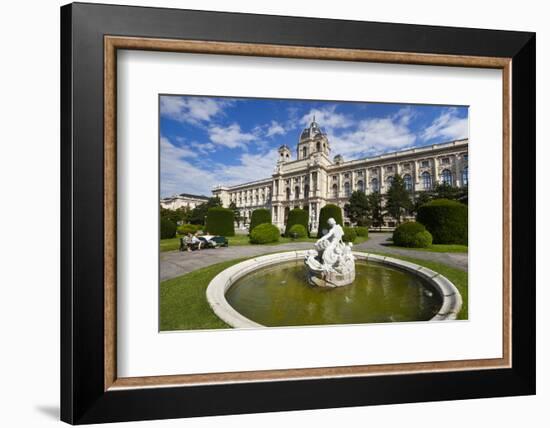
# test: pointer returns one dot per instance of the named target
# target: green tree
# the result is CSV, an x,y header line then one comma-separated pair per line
x,y
420,199
177,216
198,214
236,213
398,199
358,208
376,213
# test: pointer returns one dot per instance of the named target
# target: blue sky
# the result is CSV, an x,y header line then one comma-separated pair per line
x,y
206,141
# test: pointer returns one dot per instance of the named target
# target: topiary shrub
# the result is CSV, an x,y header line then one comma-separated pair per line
x,y
349,234
328,211
296,216
184,229
362,231
297,231
167,228
264,234
220,221
412,234
259,216
446,220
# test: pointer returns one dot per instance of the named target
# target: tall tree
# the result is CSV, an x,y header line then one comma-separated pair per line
x,y
398,199
198,214
358,208
236,213
420,199
375,205
176,216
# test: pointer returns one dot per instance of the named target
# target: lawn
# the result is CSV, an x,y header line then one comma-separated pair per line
x,y
438,248
183,304
174,243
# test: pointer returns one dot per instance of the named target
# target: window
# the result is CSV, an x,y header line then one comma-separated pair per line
x,y
318,147
374,185
447,177
296,192
389,181
406,165
347,189
346,175
465,157
426,181
334,178
360,173
335,190
389,168
445,161
465,176
306,191
425,164
407,180
360,186
287,194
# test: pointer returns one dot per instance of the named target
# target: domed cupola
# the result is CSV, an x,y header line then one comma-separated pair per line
x,y
312,139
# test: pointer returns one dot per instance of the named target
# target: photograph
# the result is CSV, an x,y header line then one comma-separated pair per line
x,y
307,212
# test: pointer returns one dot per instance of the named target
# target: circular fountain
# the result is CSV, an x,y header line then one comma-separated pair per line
x,y
330,285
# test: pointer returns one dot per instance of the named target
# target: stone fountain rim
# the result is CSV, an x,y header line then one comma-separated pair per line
x,y
215,292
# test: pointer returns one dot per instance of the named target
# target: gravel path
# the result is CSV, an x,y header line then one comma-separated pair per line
x,y
176,263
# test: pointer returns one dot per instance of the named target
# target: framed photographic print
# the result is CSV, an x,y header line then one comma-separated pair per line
x,y
265,213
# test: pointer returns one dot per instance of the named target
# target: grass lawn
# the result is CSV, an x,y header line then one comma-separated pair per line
x,y
438,248
174,243
183,304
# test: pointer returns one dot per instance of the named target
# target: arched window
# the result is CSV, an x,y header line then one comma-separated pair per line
x,y
287,193
389,181
360,186
426,180
465,176
304,152
447,177
335,190
347,190
318,146
297,192
407,180
374,185
306,191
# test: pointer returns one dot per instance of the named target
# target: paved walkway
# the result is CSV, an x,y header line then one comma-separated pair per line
x,y
176,263
379,242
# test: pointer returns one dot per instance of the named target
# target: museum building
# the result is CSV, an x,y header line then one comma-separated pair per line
x,y
313,180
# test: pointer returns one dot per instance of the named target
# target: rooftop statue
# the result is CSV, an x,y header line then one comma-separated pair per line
x,y
331,264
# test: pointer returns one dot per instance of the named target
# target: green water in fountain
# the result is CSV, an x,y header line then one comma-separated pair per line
x,y
280,295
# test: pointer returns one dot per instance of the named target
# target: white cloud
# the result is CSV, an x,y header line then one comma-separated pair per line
x,y
179,173
327,118
448,126
230,136
275,128
182,170
194,110
376,135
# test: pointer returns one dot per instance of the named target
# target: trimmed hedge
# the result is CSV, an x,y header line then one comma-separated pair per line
x,y
297,231
259,216
296,216
446,220
220,221
362,231
412,234
349,234
167,228
264,234
328,211
184,229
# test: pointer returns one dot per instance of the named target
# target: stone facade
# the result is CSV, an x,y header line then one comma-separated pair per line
x,y
313,180
182,200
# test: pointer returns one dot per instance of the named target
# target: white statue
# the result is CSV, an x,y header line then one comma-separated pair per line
x,y
333,264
